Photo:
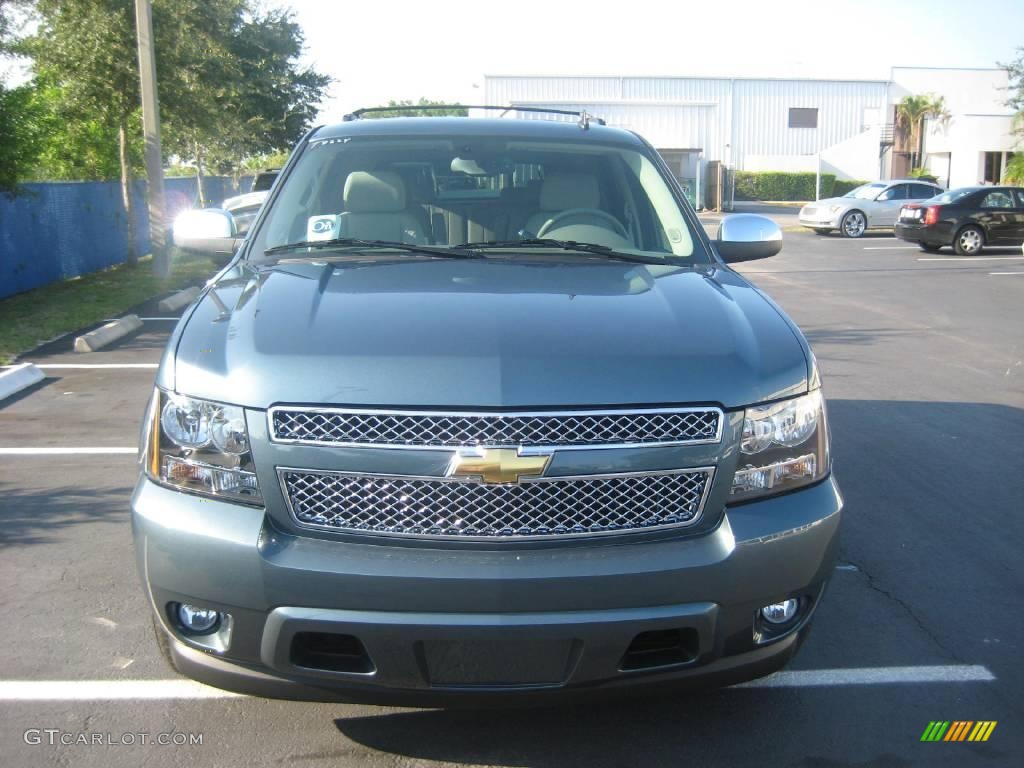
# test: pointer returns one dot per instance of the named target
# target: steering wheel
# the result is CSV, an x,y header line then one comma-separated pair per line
x,y
605,219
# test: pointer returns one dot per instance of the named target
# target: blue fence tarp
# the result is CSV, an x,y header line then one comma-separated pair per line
x,y
58,230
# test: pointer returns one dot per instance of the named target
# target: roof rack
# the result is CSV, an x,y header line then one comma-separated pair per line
x,y
585,118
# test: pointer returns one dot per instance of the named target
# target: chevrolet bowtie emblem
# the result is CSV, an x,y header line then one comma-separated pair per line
x,y
497,465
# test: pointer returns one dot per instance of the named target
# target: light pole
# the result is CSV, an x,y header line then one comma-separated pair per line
x,y
817,158
151,131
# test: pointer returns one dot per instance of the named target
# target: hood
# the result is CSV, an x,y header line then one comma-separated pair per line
x,y
493,334
829,201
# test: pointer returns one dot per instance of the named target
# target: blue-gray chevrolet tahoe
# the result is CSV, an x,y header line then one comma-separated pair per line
x,y
477,411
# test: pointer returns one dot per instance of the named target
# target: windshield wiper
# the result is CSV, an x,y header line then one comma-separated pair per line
x,y
566,245
351,242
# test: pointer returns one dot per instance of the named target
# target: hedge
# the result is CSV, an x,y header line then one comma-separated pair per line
x,y
780,185
842,186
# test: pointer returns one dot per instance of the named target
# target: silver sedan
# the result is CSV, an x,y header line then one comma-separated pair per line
x,y
870,206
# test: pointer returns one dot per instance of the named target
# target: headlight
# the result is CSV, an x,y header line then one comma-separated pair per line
x,y
200,446
784,446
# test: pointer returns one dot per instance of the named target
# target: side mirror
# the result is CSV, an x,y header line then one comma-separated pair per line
x,y
747,236
209,231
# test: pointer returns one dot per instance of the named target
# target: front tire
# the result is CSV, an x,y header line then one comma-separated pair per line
x,y
853,224
929,248
969,241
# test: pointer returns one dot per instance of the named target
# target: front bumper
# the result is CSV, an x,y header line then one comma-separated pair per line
x,y
818,220
443,625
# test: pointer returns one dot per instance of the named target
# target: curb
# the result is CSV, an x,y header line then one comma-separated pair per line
x,y
15,379
178,300
108,333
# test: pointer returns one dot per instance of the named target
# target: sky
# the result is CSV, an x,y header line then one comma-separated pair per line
x,y
441,49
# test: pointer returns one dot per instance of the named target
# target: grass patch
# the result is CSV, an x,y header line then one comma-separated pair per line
x,y
32,317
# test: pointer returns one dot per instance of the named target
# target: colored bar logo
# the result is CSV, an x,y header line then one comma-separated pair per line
x,y
958,730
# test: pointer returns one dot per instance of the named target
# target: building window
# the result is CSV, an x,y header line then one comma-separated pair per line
x,y
803,117
993,167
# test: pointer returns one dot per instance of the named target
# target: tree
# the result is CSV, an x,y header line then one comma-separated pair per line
x,y
228,80
1014,173
911,113
406,108
244,93
85,50
1015,97
20,136
19,119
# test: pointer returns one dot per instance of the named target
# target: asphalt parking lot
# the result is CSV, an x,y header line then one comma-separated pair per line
x,y
923,359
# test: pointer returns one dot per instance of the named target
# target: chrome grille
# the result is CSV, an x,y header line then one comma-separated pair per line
x,y
328,426
404,506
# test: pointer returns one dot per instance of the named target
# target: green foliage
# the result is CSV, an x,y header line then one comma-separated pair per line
x,y
924,174
75,144
257,163
178,170
781,185
407,108
228,79
842,186
1015,100
12,19
240,91
30,318
20,136
912,111
1015,69
1014,173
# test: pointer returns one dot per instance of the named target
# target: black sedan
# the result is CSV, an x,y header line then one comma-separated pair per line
x,y
968,219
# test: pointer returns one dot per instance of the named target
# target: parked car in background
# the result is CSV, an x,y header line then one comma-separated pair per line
x,y
968,219
869,206
245,207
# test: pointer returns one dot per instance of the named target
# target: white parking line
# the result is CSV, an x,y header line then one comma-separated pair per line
x,y
121,690
972,258
148,319
107,690
817,678
1006,273
95,365
892,248
62,451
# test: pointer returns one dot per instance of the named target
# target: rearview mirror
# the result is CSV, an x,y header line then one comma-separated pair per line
x,y
747,236
209,231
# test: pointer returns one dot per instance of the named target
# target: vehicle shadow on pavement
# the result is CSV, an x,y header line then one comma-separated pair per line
x,y
731,727
899,465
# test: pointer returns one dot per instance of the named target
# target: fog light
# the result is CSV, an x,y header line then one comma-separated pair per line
x,y
198,620
780,613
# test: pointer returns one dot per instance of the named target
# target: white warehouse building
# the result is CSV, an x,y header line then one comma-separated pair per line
x,y
762,124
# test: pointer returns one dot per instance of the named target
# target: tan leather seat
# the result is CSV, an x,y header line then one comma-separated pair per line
x,y
564,191
376,209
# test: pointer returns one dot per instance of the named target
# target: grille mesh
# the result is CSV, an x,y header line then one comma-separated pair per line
x,y
452,430
402,506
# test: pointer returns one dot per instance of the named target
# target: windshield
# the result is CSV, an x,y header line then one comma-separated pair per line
x,y
488,192
866,191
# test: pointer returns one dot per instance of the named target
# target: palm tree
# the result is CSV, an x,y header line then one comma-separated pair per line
x,y
911,113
